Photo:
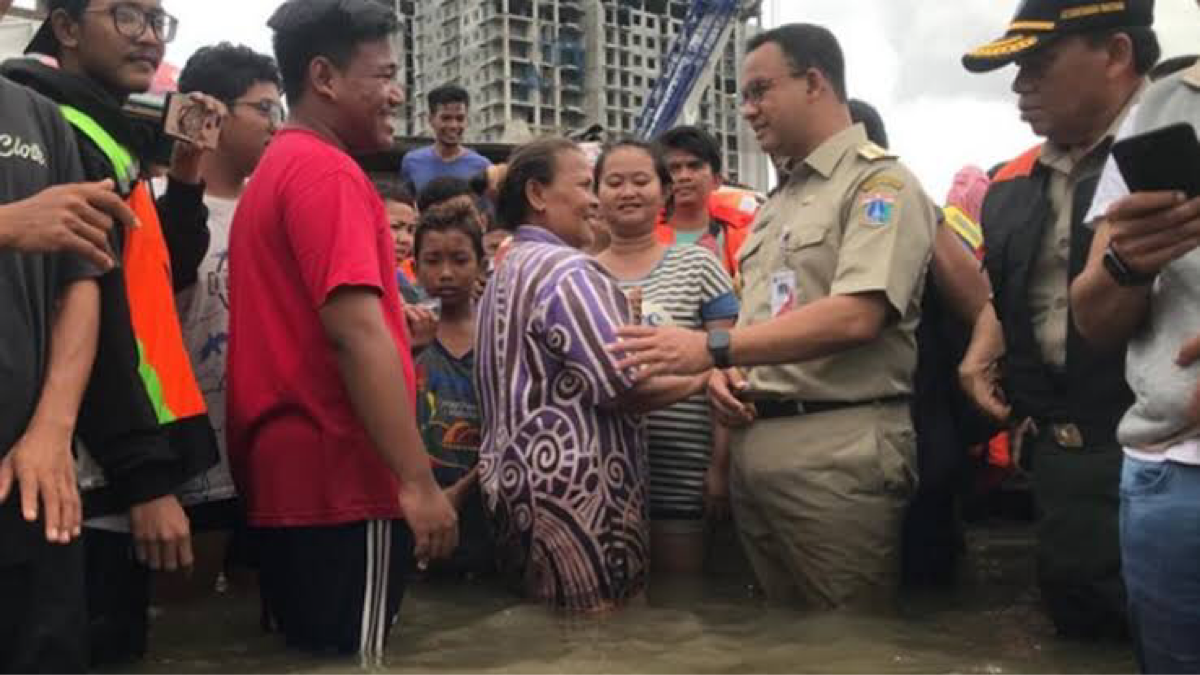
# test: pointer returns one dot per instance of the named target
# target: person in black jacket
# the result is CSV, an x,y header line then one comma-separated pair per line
x,y
53,243
137,453
1080,68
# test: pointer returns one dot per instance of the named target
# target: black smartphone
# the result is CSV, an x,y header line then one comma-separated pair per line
x,y
1161,160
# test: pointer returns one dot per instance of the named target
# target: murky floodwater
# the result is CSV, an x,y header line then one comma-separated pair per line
x,y
991,625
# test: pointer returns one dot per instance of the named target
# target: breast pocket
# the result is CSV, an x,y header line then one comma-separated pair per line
x,y
808,250
803,241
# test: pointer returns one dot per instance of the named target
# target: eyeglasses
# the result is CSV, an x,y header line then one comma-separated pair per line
x,y
131,21
756,91
271,110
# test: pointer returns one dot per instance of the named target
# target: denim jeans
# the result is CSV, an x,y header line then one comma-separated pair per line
x,y
1160,549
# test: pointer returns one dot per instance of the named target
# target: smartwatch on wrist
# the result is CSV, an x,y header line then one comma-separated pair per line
x,y
719,342
1120,271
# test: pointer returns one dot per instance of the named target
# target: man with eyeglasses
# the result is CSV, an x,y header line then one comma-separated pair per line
x,y
249,84
143,425
823,459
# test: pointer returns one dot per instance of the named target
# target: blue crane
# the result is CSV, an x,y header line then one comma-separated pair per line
x,y
690,62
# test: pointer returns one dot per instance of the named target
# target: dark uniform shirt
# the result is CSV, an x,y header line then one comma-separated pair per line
x,y
37,151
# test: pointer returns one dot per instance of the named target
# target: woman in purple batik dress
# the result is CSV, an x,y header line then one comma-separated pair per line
x,y
563,464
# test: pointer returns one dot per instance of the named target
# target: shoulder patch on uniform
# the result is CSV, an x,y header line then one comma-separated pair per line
x,y
873,153
879,208
882,181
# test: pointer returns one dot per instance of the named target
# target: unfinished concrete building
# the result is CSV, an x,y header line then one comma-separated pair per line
x,y
536,67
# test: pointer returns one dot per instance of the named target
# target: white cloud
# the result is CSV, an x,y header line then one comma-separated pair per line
x,y
206,22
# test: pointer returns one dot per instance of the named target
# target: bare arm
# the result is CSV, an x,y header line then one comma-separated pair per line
x,y
979,373
374,377
373,374
959,276
716,478
828,326
665,390
42,461
659,392
1148,231
1106,313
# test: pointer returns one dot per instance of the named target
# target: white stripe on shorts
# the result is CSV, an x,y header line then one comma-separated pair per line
x,y
364,631
375,597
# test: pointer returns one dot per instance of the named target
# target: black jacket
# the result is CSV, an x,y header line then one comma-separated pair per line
x,y
1091,392
140,459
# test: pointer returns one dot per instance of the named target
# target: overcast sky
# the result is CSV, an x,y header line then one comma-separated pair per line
x,y
902,56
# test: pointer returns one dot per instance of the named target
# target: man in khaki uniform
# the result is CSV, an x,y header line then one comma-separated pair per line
x,y
1080,65
832,276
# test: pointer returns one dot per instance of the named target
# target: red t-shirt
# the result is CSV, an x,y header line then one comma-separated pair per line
x,y
309,222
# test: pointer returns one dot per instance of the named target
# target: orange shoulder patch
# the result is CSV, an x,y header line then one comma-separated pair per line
x,y
1021,167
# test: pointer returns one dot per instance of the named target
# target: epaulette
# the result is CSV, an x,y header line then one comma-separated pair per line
x,y
874,153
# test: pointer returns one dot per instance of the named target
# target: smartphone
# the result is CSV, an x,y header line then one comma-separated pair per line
x,y
434,305
634,295
1162,160
191,121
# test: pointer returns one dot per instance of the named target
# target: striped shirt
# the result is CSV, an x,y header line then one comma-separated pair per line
x,y
688,288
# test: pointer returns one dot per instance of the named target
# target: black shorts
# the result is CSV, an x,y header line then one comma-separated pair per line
x,y
43,612
335,589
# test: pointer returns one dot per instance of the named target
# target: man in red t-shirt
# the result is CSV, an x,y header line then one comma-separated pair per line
x,y
322,432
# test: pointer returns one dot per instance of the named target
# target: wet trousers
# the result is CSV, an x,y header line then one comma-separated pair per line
x,y
819,500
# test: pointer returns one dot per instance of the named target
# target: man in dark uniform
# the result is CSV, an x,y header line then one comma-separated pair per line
x,y
1081,65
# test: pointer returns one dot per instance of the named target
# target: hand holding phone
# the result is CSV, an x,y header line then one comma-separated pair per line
x,y
1163,160
195,119
1148,231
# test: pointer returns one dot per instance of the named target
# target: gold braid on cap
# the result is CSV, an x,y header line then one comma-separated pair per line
x,y
1006,47
1037,26
1091,10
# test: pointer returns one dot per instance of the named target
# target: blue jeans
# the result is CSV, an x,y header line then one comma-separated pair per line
x,y
1160,551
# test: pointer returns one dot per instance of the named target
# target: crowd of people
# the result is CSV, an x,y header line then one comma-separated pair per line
x,y
558,372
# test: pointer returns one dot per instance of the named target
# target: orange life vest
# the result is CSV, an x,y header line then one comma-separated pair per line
x,y
735,210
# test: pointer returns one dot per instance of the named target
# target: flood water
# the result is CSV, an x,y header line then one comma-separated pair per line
x,y
991,624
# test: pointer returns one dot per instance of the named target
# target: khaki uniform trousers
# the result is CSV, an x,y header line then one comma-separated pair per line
x,y
819,501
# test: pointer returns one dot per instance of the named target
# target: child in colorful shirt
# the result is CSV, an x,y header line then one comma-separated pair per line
x,y
448,252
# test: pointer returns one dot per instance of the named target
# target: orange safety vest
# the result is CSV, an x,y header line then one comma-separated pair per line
x,y
163,362
735,209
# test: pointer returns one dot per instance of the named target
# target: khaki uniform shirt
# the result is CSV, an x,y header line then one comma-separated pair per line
x,y
850,220
1049,290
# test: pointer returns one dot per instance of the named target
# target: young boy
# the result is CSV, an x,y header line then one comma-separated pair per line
x,y
449,255
250,84
401,210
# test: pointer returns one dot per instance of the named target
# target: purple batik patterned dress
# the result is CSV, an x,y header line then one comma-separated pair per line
x,y
563,472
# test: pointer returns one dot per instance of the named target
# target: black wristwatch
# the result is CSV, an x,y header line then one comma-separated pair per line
x,y
718,347
1122,273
